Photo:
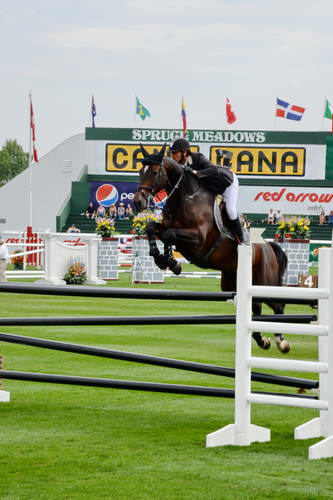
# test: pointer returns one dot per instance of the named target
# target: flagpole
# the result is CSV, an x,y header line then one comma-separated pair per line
x,y
322,116
29,229
134,111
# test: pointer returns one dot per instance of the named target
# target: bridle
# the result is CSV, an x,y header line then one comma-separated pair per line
x,y
152,190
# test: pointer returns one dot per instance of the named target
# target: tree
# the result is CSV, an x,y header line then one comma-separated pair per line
x,y
13,160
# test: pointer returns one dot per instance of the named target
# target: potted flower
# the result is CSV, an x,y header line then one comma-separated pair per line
x,y
140,221
105,228
293,228
76,274
17,261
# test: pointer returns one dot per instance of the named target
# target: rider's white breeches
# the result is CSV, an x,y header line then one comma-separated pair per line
x,y
230,197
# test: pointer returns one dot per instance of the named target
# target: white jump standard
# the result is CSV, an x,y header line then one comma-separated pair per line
x,y
243,432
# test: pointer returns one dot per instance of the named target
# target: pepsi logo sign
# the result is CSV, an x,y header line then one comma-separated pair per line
x,y
107,195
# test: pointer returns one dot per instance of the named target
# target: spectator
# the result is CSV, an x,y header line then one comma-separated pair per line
x,y
121,211
278,216
270,216
330,217
322,218
90,211
113,212
129,211
73,229
100,213
4,256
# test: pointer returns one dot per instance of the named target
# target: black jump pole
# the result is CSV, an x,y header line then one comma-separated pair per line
x,y
154,360
135,293
228,319
191,390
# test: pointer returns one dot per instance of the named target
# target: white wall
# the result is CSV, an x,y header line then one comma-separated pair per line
x,y
51,185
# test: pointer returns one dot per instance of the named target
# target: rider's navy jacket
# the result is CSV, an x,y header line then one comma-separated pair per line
x,y
208,170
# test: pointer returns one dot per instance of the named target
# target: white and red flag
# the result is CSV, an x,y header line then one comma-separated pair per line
x,y
231,117
33,133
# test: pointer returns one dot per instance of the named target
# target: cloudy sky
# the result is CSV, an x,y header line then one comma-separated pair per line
x,y
250,50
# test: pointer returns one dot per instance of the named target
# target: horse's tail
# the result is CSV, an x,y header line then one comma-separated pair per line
x,y
282,259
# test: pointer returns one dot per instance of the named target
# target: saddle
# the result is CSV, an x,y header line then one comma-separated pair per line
x,y
221,220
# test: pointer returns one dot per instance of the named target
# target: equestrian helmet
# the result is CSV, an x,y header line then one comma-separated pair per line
x,y
180,144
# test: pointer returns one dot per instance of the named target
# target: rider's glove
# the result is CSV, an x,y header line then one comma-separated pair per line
x,y
187,168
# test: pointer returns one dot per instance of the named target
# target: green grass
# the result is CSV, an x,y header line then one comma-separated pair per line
x,y
62,442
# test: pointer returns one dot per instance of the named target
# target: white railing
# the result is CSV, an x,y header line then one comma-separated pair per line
x,y
243,432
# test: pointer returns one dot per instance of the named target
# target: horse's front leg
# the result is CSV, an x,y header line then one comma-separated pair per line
x,y
153,231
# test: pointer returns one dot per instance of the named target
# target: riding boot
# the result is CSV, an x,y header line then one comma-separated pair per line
x,y
237,230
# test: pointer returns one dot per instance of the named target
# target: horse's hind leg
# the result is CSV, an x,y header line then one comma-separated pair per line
x,y
281,343
263,342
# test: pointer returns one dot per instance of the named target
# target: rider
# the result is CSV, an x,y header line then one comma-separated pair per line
x,y
217,179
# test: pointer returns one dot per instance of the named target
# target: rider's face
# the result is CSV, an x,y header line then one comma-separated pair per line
x,y
179,156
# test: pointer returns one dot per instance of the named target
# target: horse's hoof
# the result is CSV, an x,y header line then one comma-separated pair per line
x,y
176,268
283,345
161,262
266,343
154,252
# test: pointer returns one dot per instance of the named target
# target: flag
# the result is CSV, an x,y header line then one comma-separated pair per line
x,y
93,111
184,118
231,117
33,133
328,112
286,110
141,110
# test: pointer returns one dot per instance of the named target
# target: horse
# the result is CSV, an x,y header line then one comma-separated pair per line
x,y
188,223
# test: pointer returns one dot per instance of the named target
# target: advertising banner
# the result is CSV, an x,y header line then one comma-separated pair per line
x,y
314,251
290,200
107,193
256,154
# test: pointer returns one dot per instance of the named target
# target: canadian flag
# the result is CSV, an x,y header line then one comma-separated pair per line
x,y
231,117
33,133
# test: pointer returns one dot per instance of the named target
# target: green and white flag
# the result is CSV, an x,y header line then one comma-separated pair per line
x,y
328,110
141,110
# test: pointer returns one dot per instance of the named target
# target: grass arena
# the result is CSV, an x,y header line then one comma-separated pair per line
x,y
88,442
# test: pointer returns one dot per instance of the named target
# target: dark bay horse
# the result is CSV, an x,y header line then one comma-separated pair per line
x,y
188,224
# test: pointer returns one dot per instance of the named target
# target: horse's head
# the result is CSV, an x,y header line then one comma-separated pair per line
x,y
152,178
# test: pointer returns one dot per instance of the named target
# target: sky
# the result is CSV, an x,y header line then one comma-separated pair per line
x,y
63,51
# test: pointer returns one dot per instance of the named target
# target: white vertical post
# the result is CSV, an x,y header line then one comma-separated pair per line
x,y
242,432
317,427
324,449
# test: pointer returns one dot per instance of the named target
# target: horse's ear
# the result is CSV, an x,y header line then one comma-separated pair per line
x,y
144,151
162,153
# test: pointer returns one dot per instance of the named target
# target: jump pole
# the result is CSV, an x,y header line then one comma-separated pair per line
x,y
154,360
191,390
137,293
